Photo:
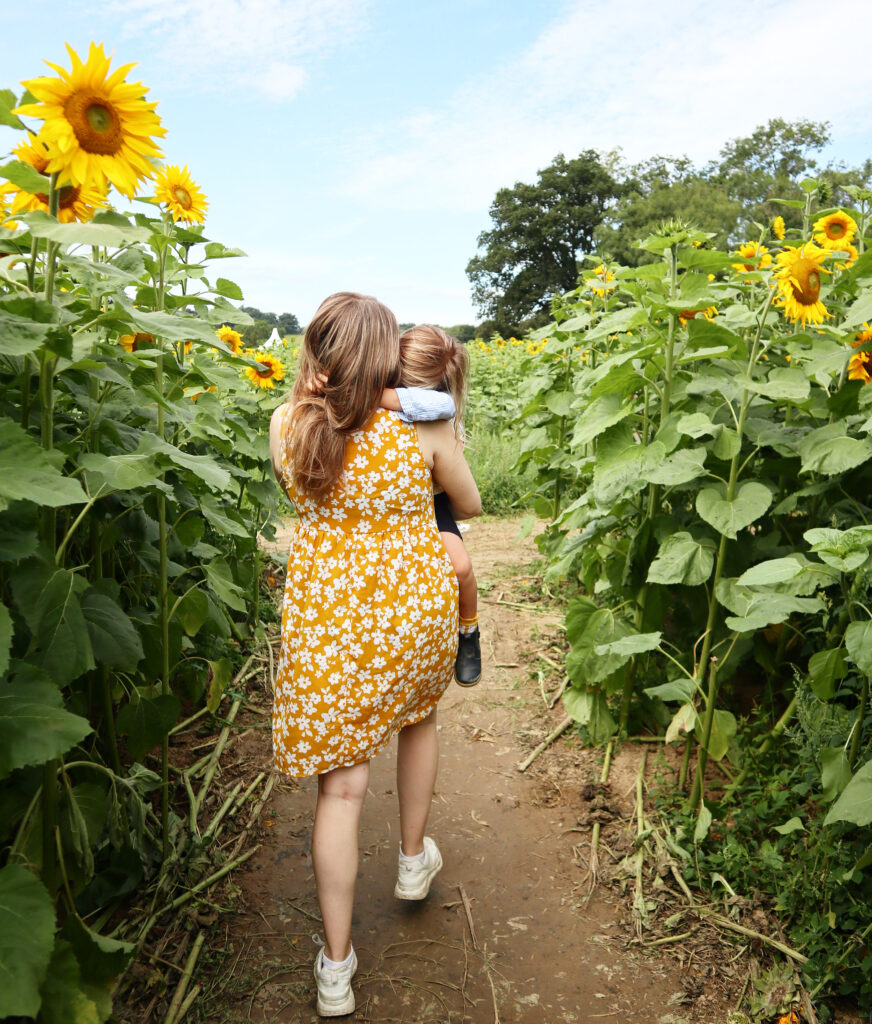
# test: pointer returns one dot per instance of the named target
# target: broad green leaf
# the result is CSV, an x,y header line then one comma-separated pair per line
x,y
8,102
28,472
63,1001
845,550
19,335
791,826
61,643
601,726
751,501
727,444
627,646
697,424
216,251
224,518
829,451
681,559
583,665
578,615
618,322
776,570
560,402
25,177
202,466
41,225
676,689
679,468
220,672
27,925
114,638
222,584
622,465
783,384
34,725
858,640
859,312
702,333
101,961
192,611
601,414
825,668
683,721
703,823
767,608
229,289
146,721
855,803
835,772
578,704
6,632
723,730
121,472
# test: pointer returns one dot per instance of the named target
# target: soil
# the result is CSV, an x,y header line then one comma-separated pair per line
x,y
511,931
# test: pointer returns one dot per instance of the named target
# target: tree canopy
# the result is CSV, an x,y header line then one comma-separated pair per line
x,y
261,329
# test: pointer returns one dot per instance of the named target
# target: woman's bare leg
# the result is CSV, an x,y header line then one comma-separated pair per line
x,y
334,852
417,762
462,563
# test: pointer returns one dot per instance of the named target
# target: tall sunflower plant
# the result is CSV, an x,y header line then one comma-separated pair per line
x,y
132,495
700,429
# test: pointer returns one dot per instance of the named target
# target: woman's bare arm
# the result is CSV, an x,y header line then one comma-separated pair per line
x,y
276,434
444,454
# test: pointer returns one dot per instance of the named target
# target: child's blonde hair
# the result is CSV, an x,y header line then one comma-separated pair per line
x,y
430,358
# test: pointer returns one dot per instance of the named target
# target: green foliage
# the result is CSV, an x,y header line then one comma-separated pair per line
x,y
706,466
133,486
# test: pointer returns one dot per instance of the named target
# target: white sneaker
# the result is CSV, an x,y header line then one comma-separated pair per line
x,y
335,997
413,880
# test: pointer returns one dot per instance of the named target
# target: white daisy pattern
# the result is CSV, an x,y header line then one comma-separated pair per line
x,y
369,623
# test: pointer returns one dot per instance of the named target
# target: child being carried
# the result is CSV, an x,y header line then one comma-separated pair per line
x,y
434,368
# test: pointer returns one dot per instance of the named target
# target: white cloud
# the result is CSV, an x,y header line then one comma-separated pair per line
x,y
264,45
675,78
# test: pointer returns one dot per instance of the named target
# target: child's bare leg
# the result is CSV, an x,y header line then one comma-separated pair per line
x,y
468,588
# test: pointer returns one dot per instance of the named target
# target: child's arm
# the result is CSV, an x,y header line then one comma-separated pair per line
x,y
418,404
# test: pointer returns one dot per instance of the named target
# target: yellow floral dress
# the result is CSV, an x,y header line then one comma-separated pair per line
x,y
369,624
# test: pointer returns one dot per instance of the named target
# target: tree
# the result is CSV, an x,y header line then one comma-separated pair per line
x,y
261,329
540,231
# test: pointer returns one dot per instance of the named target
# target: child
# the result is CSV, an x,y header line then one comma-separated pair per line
x,y
434,366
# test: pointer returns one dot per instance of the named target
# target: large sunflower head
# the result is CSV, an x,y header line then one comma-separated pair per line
x,y
691,314
97,126
75,202
799,282
179,191
269,369
835,231
752,251
232,339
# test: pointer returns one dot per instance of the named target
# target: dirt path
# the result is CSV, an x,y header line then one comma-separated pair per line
x,y
507,934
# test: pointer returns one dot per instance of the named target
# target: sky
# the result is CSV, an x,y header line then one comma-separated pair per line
x,y
358,144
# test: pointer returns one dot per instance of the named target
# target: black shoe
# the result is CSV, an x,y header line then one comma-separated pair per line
x,y
467,667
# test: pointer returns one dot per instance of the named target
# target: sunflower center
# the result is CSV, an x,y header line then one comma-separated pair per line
x,y
264,370
95,122
806,282
836,230
183,197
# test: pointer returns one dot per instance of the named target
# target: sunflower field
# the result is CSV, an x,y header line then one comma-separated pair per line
x,y
133,488
699,429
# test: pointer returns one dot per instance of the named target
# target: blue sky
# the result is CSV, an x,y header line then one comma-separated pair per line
x,y
357,144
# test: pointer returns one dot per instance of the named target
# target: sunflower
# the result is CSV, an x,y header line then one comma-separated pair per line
x,y
849,253
97,126
601,281
799,281
232,339
835,230
132,342
778,228
755,251
194,393
179,191
692,314
269,369
75,202
863,336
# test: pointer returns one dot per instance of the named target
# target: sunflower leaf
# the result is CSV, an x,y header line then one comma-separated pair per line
x,y
25,177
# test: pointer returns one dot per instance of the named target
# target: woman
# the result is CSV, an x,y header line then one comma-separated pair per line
x,y
369,625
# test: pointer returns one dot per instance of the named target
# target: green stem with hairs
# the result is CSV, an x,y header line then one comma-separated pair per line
x,y
703,666
858,722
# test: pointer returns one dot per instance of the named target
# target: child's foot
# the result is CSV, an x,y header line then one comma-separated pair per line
x,y
467,667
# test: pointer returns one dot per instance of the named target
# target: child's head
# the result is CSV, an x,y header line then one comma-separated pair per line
x,y
430,358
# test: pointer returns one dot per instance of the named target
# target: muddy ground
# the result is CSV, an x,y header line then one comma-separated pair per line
x,y
510,932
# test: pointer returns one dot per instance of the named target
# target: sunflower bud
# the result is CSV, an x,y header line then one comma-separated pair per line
x,y
824,192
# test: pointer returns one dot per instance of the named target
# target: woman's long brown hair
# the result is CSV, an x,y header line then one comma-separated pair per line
x,y
354,341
